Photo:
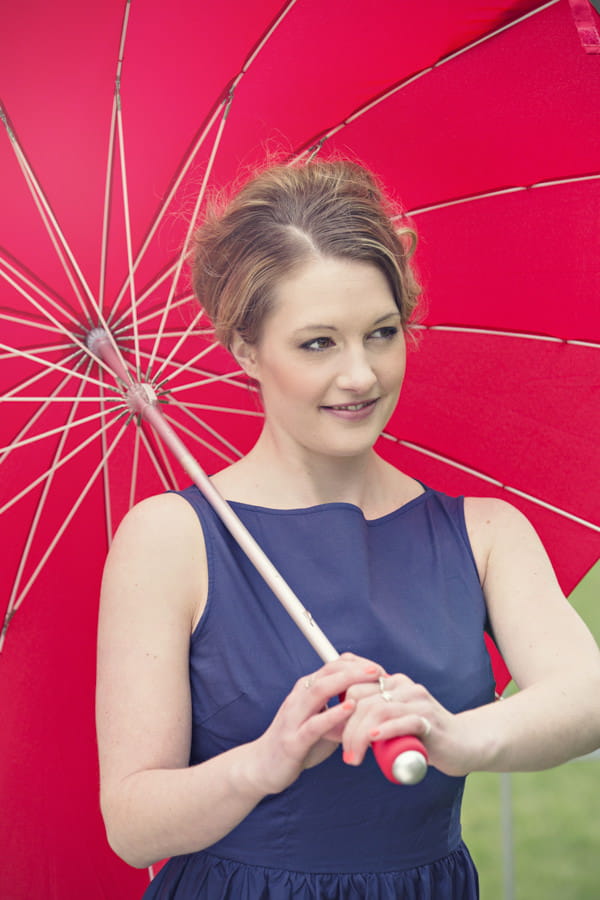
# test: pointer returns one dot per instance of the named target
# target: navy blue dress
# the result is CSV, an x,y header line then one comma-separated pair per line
x,y
402,590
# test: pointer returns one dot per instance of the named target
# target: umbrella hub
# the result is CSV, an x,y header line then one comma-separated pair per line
x,y
139,396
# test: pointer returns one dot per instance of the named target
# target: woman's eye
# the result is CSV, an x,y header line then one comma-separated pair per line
x,y
320,343
385,333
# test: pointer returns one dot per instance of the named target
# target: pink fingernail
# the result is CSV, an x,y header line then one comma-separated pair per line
x,y
348,704
348,756
374,733
371,670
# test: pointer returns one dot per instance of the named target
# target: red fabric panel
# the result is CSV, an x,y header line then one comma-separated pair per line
x,y
540,246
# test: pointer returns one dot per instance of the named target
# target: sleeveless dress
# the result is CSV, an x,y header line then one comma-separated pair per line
x,y
403,590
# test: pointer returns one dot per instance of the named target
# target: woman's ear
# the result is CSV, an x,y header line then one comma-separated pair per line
x,y
245,354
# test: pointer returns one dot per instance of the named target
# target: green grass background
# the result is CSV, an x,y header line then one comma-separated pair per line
x,y
556,815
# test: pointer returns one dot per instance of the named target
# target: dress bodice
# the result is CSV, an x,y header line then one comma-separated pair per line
x,y
402,590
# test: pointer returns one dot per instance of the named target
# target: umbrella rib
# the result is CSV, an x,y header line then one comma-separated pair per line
x,y
106,474
149,335
224,409
134,468
210,379
524,335
316,143
166,460
110,161
106,206
207,427
63,399
263,40
127,222
592,176
458,200
49,220
154,460
519,21
29,323
182,256
491,480
571,179
13,353
196,437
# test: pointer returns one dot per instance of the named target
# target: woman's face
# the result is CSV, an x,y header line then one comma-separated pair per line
x,y
331,358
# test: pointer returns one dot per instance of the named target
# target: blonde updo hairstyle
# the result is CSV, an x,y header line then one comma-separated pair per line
x,y
280,220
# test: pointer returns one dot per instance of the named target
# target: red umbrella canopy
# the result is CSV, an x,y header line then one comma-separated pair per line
x,y
119,120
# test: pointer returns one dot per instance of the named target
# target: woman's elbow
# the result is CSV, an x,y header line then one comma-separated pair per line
x,y
122,836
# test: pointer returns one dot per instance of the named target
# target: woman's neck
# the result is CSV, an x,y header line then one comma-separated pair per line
x,y
267,477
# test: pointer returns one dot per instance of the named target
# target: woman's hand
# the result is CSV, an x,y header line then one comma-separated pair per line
x,y
305,731
395,706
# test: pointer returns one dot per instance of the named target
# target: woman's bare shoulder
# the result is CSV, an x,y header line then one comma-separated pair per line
x,y
488,521
158,551
489,517
163,521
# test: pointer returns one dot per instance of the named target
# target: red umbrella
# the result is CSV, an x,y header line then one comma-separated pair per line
x,y
482,121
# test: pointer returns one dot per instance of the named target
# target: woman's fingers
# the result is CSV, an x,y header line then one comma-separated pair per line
x,y
413,724
396,706
336,678
309,728
322,725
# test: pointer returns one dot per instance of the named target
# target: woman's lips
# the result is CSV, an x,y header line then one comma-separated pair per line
x,y
351,411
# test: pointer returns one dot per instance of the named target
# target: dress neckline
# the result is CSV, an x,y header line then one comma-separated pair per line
x,y
332,505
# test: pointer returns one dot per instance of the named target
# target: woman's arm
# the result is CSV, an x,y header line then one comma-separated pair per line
x,y
154,584
154,804
552,656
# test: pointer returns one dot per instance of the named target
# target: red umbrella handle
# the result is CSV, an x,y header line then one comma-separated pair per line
x,y
402,760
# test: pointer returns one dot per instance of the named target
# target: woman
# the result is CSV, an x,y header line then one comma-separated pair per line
x,y
222,743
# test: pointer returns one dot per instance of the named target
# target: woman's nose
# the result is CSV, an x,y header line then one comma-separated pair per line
x,y
356,372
